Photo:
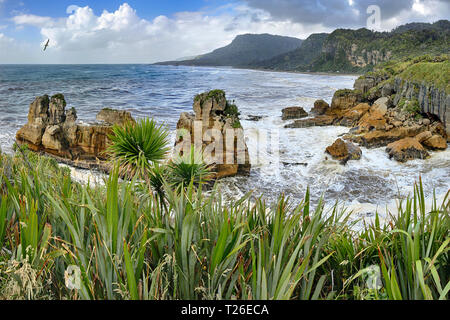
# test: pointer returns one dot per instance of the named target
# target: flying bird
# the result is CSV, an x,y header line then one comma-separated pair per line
x,y
46,45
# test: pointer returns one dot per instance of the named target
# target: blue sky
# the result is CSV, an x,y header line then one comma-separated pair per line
x,y
148,9
145,31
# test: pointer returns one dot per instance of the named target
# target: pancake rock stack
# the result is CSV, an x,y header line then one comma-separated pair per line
x,y
55,131
215,129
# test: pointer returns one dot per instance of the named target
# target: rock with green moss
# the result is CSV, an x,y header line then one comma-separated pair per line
x,y
213,121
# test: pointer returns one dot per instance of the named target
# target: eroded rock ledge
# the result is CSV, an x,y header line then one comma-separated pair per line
x,y
53,130
406,129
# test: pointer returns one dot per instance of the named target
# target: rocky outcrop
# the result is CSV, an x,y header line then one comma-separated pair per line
x,y
430,99
406,149
215,129
435,142
320,107
344,151
293,113
53,130
382,122
112,116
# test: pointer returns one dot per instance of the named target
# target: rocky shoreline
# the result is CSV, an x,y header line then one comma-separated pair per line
x,y
380,114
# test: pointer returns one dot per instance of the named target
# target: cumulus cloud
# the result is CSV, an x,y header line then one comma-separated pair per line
x,y
353,13
122,36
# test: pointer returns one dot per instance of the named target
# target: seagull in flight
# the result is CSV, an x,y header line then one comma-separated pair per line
x,y
46,45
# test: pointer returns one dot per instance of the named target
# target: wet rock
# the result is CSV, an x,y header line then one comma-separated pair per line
x,y
254,118
406,149
320,107
352,116
346,99
382,105
112,117
344,151
373,120
435,142
424,136
293,113
381,138
319,121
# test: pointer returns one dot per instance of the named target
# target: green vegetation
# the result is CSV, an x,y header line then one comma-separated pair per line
x,y
231,110
359,51
410,106
63,240
60,96
213,94
187,169
136,147
344,92
435,73
244,49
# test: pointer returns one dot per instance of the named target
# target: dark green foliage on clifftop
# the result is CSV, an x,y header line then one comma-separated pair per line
x,y
426,69
244,49
358,51
59,96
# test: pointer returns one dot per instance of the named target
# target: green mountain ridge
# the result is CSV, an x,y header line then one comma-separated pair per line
x,y
358,51
244,50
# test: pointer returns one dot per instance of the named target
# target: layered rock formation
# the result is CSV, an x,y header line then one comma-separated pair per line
x,y
385,122
344,151
53,130
293,113
215,129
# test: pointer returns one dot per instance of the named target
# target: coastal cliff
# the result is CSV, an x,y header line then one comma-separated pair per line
x,y
359,51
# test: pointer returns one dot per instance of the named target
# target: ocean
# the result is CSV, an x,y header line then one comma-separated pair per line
x,y
163,92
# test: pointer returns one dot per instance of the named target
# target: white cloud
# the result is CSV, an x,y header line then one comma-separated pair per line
x,y
32,20
122,36
421,11
12,51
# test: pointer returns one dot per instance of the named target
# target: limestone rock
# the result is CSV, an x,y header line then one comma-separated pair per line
x,y
374,120
320,107
71,115
382,105
435,142
293,113
215,128
319,121
424,136
31,133
352,116
57,110
406,149
345,99
112,117
53,138
344,151
53,130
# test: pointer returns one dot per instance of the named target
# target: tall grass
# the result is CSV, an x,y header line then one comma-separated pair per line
x,y
129,243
